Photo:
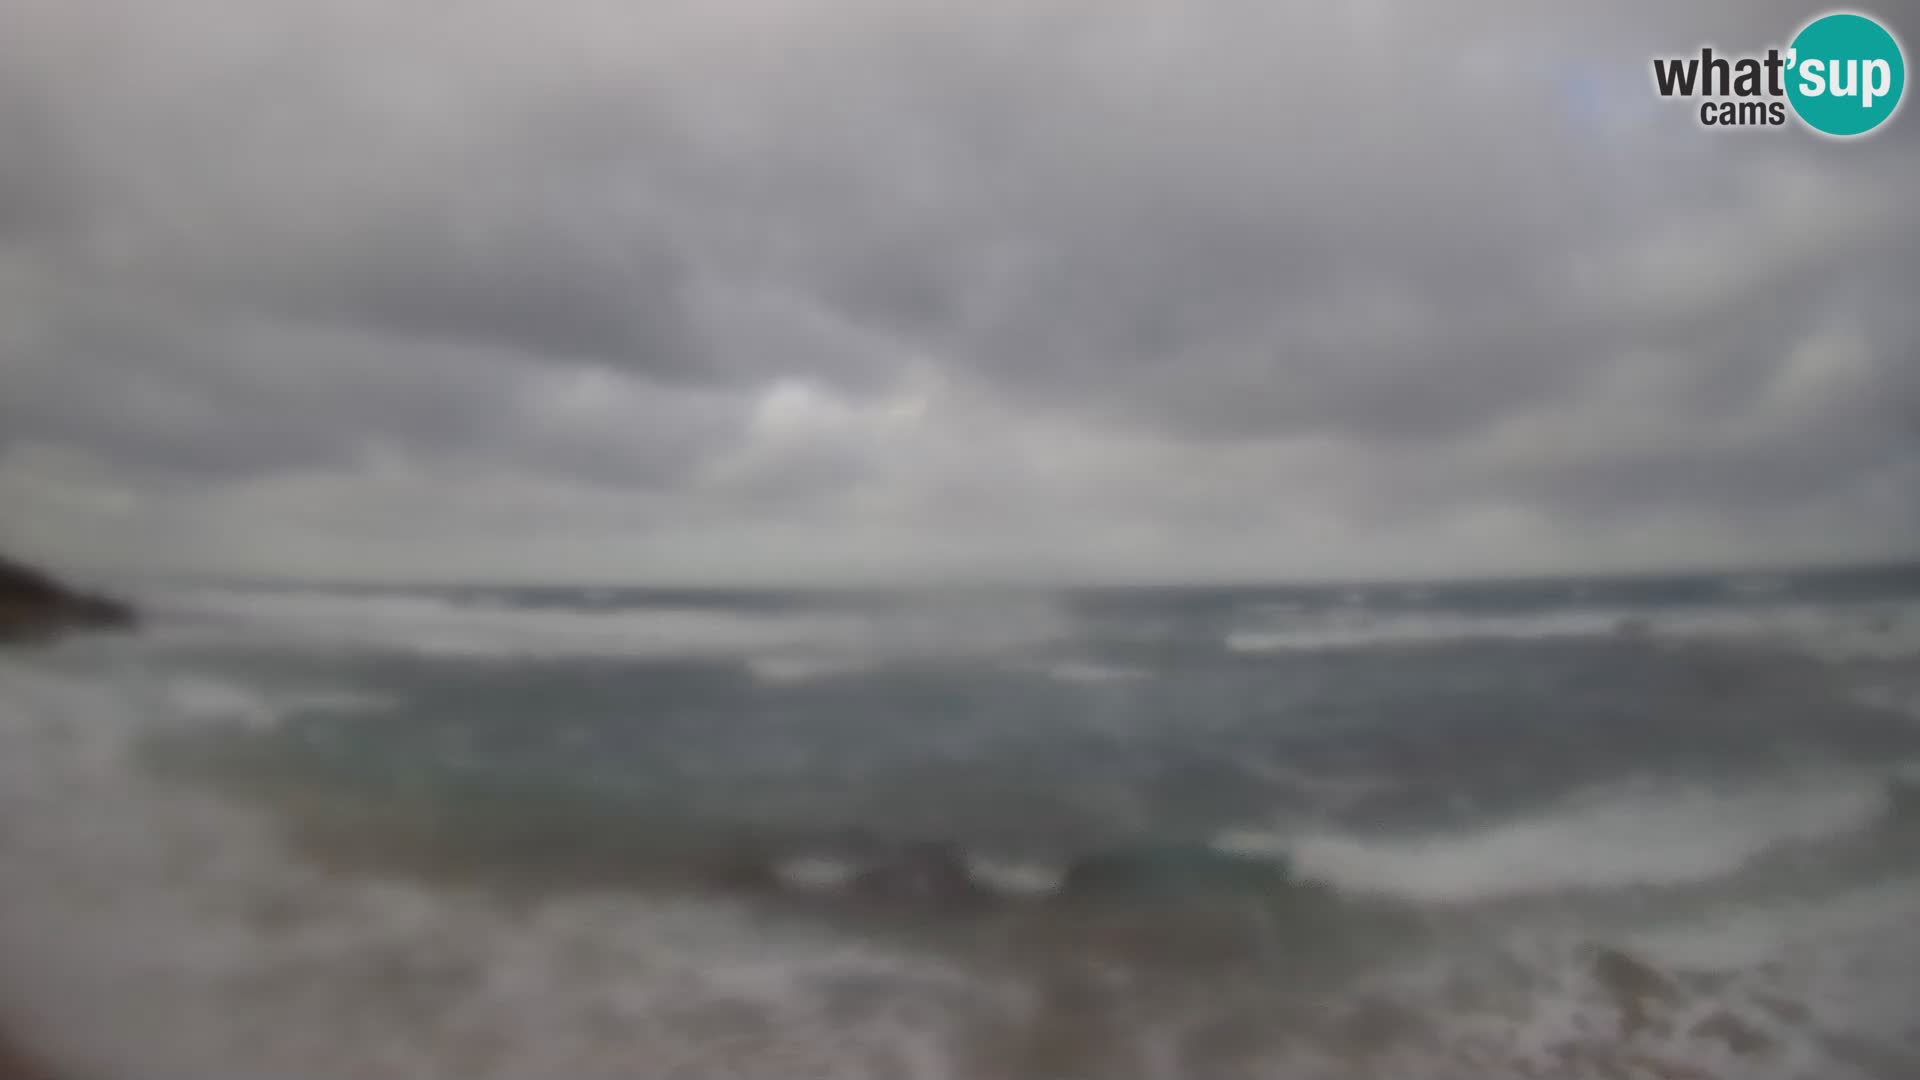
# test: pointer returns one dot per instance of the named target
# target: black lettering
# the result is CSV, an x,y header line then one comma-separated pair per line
x,y
1752,113
1747,82
1709,113
1675,76
1776,113
1710,64
1775,64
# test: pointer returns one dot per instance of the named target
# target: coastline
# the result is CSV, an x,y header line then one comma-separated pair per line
x,y
34,608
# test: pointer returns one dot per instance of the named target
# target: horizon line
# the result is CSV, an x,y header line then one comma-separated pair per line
x,y
955,583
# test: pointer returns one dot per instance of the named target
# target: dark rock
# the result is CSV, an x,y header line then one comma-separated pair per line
x,y
924,873
34,607
1625,976
1740,1037
1377,1025
1635,987
741,873
1784,1009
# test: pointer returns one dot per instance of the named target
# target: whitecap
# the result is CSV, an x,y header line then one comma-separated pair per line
x,y
1604,840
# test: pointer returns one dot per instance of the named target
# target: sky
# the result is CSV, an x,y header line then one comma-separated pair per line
x,y
848,291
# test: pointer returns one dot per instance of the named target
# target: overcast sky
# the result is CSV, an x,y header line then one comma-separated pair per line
x,y
897,290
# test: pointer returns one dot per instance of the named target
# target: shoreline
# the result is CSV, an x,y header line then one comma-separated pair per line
x,y
36,607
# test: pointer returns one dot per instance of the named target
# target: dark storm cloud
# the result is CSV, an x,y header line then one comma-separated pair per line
x,y
504,277
185,390
882,269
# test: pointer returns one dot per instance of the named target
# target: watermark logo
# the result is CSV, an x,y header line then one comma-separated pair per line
x,y
1843,75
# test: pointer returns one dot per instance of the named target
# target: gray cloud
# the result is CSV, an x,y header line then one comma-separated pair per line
x,y
834,288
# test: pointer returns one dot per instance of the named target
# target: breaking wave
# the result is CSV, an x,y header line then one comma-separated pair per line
x,y
1831,632
784,644
1655,835
154,928
154,931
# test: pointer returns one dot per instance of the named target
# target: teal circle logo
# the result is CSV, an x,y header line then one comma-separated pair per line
x,y
1845,74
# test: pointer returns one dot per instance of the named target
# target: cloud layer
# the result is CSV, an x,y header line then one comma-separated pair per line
x,y
805,290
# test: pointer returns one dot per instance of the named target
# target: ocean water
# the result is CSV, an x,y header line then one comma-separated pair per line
x,y
1654,828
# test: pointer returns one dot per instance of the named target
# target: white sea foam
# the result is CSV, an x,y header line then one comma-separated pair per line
x,y
1351,627
798,645
1836,633
1328,790
203,697
1015,877
1903,699
1637,836
1088,673
150,931
198,697
1833,632
815,873
794,670
784,645
482,629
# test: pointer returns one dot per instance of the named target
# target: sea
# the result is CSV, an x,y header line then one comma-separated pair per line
x,y
1662,827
